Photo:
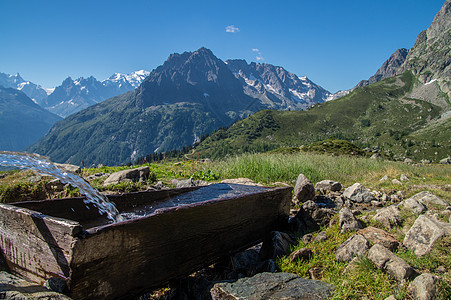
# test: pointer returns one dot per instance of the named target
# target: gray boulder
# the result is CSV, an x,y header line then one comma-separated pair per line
x,y
272,286
404,177
133,175
328,185
424,233
413,205
69,168
276,244
347,221
358,193
304,189
424,287
355,246
378,236
389,216
188,183
301,254
446,160
429,200
321,237
387,261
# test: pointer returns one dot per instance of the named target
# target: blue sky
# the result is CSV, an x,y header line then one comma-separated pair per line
x,y
334,43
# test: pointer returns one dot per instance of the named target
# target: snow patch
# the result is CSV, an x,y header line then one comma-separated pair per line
x,y
433,80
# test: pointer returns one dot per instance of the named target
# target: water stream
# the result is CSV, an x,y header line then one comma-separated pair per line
x,y
42,165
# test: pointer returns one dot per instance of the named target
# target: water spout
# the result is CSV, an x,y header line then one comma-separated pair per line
x,y
42,165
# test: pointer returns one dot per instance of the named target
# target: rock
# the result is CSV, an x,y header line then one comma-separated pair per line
x,y
55,185
188,183
133,175
358,193
268,265
395,266
378,236
424,233
396,181
246,261
424,287
429,199
13,287
445,161
347,221
376,156
321,237
425,161
440,270
355,246
384,178
389,216
311,217
404,177
301,254
307,238
316,273
413,205
69,168
276,244
272,286
408,161
56,284
391,297
304,189
328,185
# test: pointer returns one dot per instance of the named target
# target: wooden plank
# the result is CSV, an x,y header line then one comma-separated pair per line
x,y
36,246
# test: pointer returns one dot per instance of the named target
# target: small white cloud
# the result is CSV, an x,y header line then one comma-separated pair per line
x,y
259,56
232,29
255,50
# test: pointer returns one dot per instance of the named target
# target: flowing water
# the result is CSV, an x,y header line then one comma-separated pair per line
x,y
42,165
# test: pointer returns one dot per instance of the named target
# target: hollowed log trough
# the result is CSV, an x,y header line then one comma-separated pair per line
x,y
67,238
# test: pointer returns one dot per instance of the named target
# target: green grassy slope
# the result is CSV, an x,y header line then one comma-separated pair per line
x,y
381,115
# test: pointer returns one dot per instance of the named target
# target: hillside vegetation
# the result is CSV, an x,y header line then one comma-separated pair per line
x,y
385,115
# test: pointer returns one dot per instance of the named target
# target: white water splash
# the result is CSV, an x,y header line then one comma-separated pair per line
x,y
42,165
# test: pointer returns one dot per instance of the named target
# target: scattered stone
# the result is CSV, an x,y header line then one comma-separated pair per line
x,y
440,270
358,193
404,177
245,261
413,205
304,189
272,286
408,161
133,175
321,237
395,266
428,199
396,181
445,161
355,246
301,254
425,161
377,203
376,156
13,287
307,238
378,236
384,198
384,178
276,244
424,287
316,273
188,183
424,233
347,221
311,217
328,185
389,216
391,297
395,198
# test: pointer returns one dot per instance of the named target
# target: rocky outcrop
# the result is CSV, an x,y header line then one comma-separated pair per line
x,y
424,233
304,189
272,286
387,261
355,246
358,193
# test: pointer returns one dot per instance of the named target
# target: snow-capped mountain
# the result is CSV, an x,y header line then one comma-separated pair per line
x,y
33,91
276,87
74,95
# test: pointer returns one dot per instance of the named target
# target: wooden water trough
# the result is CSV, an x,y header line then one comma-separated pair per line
x,y
68,239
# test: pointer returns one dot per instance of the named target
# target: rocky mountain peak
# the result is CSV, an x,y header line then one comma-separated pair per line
x,y
441,21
